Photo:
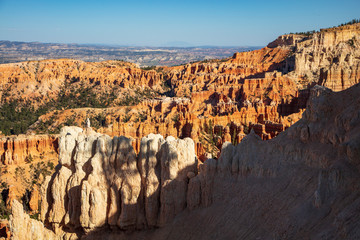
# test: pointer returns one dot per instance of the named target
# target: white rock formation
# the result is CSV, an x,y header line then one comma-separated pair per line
x,y
23,227
101,182
303,184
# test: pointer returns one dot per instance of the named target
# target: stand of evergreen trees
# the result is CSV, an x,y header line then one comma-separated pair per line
x,y
309,33
350,22
16,118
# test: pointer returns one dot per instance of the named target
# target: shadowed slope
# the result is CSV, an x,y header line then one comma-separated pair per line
x,y
302,184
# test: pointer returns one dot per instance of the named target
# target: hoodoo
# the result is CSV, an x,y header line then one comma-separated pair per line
x,y
262,145
302,184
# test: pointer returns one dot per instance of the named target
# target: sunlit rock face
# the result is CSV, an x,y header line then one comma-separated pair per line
x,y
266,88
308,175
17,150
102,182
330,57
302,184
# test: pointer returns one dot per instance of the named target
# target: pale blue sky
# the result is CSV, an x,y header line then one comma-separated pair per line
x,y
155,23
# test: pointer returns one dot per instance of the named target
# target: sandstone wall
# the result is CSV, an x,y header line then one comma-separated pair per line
x,y
272,98
41,81
302,184
23,227
101,181
25,148
330,58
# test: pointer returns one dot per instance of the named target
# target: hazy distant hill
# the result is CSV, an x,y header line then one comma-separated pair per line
x,y
144,56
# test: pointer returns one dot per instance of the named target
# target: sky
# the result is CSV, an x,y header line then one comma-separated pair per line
x,y
160,23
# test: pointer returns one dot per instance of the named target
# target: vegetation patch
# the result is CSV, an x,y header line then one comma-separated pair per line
x,y
149,68
4,211
208,139
98,121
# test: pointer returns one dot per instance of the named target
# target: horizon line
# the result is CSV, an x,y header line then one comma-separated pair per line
x,y
136,45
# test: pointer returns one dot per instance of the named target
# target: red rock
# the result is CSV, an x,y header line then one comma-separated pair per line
x,y
24,148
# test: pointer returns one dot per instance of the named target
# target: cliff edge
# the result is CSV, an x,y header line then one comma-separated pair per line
x,y
303,184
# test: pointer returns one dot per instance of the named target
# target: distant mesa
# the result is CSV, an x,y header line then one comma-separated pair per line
x,y
11,52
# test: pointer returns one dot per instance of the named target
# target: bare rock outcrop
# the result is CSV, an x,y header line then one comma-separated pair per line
x,y
330,58
23,227
34,199
288,40
150,172
101,182
24,148
177,160
302,184
40,81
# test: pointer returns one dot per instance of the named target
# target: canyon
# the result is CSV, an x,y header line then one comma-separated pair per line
x,y
192,131
301,184
266,89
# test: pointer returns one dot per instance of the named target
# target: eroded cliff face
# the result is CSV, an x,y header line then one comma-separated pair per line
x,y
23,227
38,82
26,148
25,160
264,91
266,88
243,90
302,184
102,183
273,101
329,58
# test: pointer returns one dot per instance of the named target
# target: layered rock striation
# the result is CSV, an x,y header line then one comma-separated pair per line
x,y
25,148
330,57
301,184
266,87
41,81
101,182
23,227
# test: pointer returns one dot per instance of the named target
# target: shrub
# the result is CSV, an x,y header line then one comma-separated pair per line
x,y
126,118
98,120
4,211
141,117
28,159
149,68
35,216
208,138
51,165
4,185
176,118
